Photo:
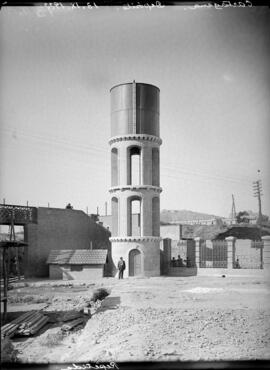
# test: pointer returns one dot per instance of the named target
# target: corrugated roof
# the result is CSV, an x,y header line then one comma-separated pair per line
x,y
78,257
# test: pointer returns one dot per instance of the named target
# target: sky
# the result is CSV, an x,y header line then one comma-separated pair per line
x,y
57,66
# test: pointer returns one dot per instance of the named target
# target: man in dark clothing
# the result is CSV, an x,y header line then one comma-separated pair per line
x,y
179,262
121,267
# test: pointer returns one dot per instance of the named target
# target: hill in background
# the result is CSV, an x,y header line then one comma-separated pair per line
x,y
183,215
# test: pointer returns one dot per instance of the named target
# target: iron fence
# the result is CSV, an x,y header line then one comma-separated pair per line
x,y
213,254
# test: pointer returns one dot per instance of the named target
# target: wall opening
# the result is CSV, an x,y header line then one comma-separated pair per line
x,y
76,267
155,217
114,166
134,166
155,166
115,216
134,216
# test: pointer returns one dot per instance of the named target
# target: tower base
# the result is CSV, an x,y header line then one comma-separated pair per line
x,y
141,255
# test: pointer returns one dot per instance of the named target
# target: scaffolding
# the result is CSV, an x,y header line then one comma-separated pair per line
x,y
12,215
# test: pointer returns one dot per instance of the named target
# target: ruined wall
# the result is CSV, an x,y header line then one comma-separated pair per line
x,y
60,229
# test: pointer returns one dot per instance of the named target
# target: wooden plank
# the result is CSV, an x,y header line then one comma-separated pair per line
x,y
29,330
70,316
72,324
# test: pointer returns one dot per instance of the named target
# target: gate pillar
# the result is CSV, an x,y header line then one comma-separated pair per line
x,y
167,249
230,251
266,252
197,251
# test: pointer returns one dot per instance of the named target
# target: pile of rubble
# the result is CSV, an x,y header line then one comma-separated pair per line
x,y
80,310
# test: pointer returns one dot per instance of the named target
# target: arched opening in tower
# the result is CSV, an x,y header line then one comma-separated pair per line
x,y
114,166
134,216
134,166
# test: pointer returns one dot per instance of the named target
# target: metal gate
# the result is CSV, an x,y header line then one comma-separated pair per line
x,y
213,254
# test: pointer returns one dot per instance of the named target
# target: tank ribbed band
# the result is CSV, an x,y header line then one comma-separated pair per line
x,y
138,239
142,137
156,189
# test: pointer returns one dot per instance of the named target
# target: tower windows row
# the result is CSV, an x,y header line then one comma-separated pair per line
x,y
137,170
135,216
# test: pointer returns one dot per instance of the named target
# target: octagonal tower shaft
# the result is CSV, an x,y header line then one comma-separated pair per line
x,y
135,177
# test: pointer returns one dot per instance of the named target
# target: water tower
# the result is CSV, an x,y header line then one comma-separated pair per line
x,y
135,187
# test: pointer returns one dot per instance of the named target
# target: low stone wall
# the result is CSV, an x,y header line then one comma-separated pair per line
x,y
182,271
193,271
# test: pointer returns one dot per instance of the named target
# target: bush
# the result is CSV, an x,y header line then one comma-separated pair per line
x,y
100,294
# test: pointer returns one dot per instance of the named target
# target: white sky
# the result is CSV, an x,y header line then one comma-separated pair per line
x,y
212,67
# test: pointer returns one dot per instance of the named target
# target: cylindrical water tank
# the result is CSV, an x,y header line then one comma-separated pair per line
x,y
134,109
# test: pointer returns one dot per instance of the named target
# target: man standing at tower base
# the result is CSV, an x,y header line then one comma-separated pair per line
x,y
121,267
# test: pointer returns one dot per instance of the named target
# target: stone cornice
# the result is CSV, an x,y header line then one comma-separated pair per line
x,y
142,137
117,239
156,189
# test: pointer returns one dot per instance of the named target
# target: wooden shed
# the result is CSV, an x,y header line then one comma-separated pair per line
x,y
79,264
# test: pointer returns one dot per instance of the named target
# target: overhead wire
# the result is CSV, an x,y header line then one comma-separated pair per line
x,y
78,147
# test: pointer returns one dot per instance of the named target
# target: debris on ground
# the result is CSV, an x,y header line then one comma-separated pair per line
x,y
67,316
156,319
72,324
33,324
27,324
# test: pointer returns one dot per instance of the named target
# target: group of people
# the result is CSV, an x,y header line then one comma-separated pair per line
x,y
179,262
174,263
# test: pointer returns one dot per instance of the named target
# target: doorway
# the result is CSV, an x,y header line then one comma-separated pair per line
x,y
134,262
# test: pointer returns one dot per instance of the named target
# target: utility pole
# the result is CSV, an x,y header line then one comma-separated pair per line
x,y
257,189
233,213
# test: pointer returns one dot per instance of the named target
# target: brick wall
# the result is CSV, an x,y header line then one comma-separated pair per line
x,y
60,229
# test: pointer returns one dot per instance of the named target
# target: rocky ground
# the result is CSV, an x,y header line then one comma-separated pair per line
x,y
162,319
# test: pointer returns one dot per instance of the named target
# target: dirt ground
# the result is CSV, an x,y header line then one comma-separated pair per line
x,y
157,319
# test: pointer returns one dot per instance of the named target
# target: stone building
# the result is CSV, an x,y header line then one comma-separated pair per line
x,y
135,186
